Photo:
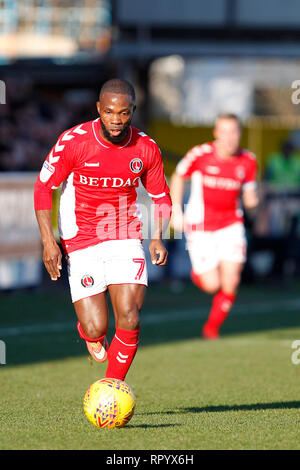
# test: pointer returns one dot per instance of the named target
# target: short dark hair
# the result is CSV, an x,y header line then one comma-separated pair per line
x,y
229,116
119,86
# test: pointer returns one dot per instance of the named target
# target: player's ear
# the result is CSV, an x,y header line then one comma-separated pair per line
x,y
133,109
98,106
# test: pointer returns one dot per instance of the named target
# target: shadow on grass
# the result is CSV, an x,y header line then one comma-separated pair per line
x,y
222,408
149,426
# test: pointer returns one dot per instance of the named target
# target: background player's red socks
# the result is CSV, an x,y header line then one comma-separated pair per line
x,y
221,306
196,279
121,353
85,337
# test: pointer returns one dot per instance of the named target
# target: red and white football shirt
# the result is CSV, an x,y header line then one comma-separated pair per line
x,y
98,198
216,185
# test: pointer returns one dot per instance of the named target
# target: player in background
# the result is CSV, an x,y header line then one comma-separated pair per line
x,y
100,164
220,172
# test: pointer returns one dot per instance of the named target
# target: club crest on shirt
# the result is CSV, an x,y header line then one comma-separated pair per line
x,y
136,165
87,281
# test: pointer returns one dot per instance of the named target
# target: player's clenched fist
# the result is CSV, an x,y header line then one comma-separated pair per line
x,y
158,252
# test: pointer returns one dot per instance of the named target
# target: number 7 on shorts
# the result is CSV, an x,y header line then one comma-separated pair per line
x,y
141,262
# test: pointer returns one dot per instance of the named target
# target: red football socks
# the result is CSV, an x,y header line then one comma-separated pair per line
x,y
121,353
221,306
196,279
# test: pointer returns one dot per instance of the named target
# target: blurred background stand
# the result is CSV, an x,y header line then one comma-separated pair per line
x,y
20,247
187,65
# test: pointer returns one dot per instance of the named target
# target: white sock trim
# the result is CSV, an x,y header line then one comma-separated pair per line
x,y
125,344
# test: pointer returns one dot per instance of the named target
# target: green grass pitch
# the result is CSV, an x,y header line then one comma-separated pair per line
x,y
240,392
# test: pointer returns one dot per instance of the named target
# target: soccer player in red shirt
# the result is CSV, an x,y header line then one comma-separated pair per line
x,y
100,164
220,172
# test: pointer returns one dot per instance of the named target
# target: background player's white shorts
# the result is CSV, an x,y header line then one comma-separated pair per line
x,y
207,249
92,269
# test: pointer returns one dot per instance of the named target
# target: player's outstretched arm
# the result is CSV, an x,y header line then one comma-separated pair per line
x,y
51,251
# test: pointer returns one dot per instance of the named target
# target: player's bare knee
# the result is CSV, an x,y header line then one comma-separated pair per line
x,y
232,286
211,288
129,319
94,329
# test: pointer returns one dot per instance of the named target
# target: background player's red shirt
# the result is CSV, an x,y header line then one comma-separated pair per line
x,y
216,185
98,199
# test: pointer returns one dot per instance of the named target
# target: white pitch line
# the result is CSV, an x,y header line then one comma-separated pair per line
x,y
262,308
38,328
259,308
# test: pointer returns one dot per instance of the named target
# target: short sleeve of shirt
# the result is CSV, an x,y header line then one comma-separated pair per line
x,y
186,165
58,164
153,178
